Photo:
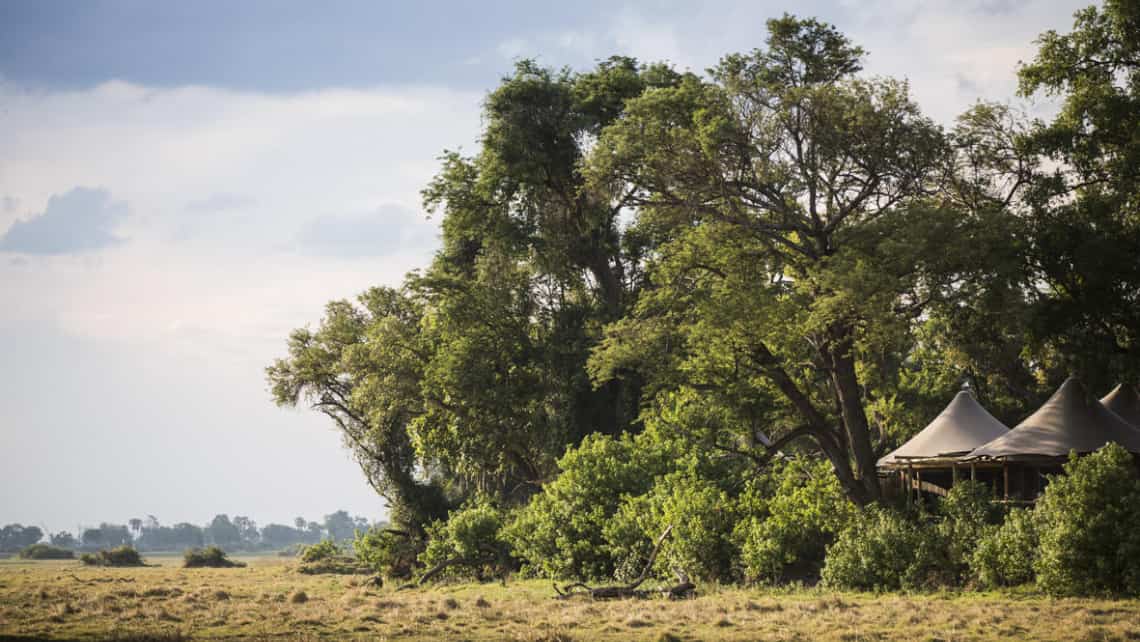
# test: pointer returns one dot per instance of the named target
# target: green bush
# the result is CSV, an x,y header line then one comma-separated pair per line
x,y
561,531
883,550
325,549
211,557
793,523
119,556
469,543
1005,555
1088,521
701,542
391,554
46,552
967,514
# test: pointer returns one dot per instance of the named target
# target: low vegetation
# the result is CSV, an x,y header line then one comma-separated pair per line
x,y
211,557
63,600
46,552
118,556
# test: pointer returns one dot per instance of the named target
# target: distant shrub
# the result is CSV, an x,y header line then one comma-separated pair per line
x,y
322,550
1088,521
469,542
1005,555
211,556
794,523
391,554
46,552
882,549
119,556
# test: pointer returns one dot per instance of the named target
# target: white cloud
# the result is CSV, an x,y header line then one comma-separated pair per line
x,y
160,341
220,184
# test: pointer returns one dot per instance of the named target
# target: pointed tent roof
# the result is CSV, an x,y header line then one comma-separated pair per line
x,y
1069,420
1124,401
961,427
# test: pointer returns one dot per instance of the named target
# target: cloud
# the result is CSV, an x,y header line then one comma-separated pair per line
x,y
220,202
390,228
80,220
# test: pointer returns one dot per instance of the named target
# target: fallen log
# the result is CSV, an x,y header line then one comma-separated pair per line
x,y
683,588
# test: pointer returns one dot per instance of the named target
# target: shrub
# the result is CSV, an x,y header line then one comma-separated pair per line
x,y
795,522
469,543
46,552
391,554
882,549
560,532
701,543
1005,554
325,549
119,556
967,513
211,556
1088,521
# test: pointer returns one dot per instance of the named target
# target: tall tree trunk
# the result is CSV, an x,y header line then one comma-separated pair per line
x,y
855,423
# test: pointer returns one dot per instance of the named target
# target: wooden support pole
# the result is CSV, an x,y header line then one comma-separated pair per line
x,y
918,485
973,472
954,467
1005,478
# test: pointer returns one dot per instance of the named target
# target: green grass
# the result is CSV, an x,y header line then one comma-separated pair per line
x,y
62,599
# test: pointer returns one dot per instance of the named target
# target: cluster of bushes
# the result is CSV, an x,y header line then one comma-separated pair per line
x,y
46,552
118,556
599,519
1082,538
209,557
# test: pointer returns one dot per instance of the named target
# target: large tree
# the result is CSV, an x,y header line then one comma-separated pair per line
x,y
1085,214
803,234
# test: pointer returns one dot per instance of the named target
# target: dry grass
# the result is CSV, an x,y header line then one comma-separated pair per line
x,y
61,599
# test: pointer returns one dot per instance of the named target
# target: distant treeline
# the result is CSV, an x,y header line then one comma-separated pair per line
x,y
237,534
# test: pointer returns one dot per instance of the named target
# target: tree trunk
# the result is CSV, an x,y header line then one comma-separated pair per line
x,y
855,423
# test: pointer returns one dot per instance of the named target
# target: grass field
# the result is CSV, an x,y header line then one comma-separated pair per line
x,y
269,599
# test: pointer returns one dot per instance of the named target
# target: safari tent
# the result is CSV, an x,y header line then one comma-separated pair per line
x,y
1070,421
1124,400
929,460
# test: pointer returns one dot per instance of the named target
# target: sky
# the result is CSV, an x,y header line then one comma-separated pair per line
x,y
181,184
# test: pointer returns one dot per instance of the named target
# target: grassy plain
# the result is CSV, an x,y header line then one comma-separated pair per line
x,y
62,599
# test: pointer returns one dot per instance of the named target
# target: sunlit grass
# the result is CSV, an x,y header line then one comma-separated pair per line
x,y
62,599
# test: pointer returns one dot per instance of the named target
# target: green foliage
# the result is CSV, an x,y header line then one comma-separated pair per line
x,y
1005,555
46,552
324,549
1084,210
209,557
967,514
1088,521
700,545
469,543
794,522
391,554
118,556
883,550
561,531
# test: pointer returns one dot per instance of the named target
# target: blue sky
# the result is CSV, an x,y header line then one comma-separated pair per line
x,y
183,183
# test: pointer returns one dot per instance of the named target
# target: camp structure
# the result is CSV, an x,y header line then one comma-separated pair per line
x,y
929,461
1124,400
1070,421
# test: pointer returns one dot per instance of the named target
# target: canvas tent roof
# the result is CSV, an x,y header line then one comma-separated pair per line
x,y
1069,420
961,427
1124,401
